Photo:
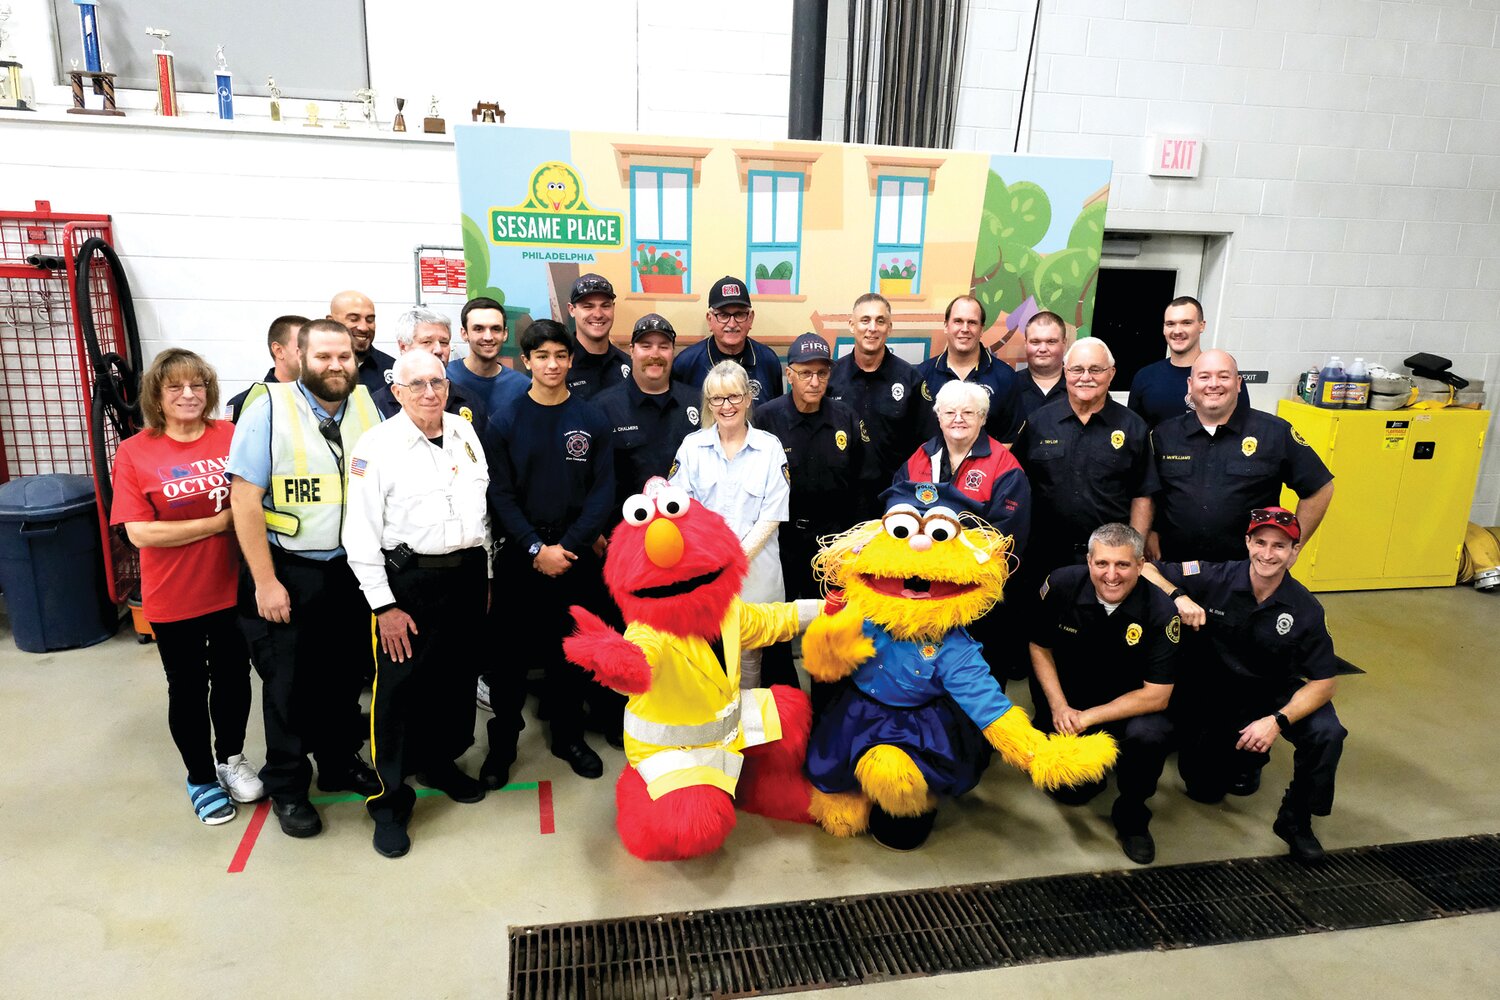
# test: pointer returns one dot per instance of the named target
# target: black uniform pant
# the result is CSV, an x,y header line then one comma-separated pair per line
x,y
422,709
311,669
1209,761
208,689
1145,741
534,609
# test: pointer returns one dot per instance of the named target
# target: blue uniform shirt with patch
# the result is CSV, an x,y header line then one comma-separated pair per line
x,y
907,674
1159,391
762,367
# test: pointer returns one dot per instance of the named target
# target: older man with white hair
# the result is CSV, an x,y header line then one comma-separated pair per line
x,y
1089,462
424,329
417,534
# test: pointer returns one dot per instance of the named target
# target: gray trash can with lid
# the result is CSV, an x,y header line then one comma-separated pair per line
x,y
51,564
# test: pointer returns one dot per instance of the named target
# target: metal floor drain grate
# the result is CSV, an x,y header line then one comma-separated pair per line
x,y
846,941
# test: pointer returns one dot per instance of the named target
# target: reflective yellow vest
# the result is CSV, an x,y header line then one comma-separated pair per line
x,y
694,723
305,501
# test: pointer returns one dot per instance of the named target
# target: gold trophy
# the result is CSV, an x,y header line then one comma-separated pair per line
x,y
312,116
275,98
11,96
399,123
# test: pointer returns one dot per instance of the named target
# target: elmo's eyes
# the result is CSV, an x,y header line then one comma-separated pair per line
x,y
672,502
637,510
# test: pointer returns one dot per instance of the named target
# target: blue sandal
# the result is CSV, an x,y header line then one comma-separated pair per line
x,y
211,803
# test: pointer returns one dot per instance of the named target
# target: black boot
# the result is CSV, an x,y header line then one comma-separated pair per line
x,y
1297,832
900,833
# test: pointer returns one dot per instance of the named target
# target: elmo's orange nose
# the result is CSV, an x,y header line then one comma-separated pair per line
x,y
663,543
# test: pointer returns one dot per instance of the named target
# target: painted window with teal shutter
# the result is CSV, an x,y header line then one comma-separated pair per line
x,y
900,224
773,252
661,229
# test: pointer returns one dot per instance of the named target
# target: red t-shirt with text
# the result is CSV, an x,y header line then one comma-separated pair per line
x,y
159,479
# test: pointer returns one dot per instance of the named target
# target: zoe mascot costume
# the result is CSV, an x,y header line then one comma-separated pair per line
x,y
918,710
697,745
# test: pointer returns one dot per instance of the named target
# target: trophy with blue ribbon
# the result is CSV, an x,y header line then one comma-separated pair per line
x,y
224,86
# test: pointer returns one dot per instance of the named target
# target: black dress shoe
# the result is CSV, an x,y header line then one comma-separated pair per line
x,y
900,833
495,771
615,738
1139,847
391,840
1299,837
1206,796
356,778
297,817
581,758
1245,784
452,782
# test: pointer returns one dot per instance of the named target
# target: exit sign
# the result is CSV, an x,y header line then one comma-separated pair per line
x,y
1175,156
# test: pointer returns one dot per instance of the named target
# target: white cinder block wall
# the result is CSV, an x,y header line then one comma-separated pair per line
x,y
1351,174
1353,160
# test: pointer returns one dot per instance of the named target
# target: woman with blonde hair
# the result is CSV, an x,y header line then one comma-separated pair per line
x,y
739,473
172,496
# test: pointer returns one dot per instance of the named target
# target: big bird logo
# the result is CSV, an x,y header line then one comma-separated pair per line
x,y
556,214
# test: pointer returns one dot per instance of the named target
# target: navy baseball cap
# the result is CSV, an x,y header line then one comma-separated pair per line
x,y
925,496
590,284
809,347
728,291
652,323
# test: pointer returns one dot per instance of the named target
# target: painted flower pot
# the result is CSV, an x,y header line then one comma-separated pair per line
x,y
773,286
895,286
665,284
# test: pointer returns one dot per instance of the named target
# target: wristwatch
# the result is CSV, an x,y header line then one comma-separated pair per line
x,y
536,547
1179,592
1282,722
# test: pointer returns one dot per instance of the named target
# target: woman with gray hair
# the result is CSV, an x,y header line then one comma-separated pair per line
x,y
739,473
978,466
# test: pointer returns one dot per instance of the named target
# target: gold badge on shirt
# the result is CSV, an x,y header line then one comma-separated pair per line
x,y
841,439
1132,634
1298,437
1248,446
472,457
864,435
467,414
1174,630
1117,439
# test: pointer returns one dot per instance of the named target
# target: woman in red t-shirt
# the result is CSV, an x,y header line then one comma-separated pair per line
x,y
172,496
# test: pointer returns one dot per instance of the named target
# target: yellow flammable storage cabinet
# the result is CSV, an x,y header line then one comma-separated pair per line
x,y
1403,486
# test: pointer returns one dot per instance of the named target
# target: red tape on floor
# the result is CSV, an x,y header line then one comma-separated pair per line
x,y
544,805
252,830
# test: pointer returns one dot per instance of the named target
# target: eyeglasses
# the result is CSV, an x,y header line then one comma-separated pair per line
x,y
1281,517
734,400
966,414
421,385
738,316
1078,371
809,375
199,388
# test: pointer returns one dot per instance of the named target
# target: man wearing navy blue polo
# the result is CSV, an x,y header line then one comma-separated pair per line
x,y
967,359
730,318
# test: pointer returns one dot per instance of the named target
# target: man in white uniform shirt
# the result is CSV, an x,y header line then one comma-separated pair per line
x,y
418,539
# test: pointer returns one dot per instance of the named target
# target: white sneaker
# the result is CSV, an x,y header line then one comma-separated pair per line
x,y
482,696
238,778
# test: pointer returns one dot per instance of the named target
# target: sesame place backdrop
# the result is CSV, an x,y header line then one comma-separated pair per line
x,y
810,226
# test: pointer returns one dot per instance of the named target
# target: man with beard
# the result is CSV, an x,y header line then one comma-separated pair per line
x,y
649,414
480,375
300,604
356,312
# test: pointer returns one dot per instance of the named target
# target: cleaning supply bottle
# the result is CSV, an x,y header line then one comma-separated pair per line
x,y
1307,385
1331,385
1357,386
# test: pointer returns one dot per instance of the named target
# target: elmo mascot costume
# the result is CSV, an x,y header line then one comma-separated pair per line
x,y
918,710
696,743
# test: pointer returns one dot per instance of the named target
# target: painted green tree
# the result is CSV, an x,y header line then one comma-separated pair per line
x,y
1007,267
477,264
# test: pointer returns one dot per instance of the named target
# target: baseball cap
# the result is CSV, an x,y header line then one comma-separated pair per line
x,y
1276,517
809,347
652,323
590,284
728,291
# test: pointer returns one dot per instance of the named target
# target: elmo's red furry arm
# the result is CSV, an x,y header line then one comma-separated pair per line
x,y
616,661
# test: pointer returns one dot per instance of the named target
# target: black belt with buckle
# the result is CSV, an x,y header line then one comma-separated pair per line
x,y
448,560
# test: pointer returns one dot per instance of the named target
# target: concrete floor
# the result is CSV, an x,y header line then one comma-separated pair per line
x,y
112,888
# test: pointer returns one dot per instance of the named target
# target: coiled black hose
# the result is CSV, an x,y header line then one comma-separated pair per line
x,y
117,380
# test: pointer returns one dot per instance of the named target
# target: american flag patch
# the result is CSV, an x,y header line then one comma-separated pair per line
x,y
357,467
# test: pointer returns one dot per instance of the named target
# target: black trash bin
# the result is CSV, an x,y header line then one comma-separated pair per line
x,y
51,566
